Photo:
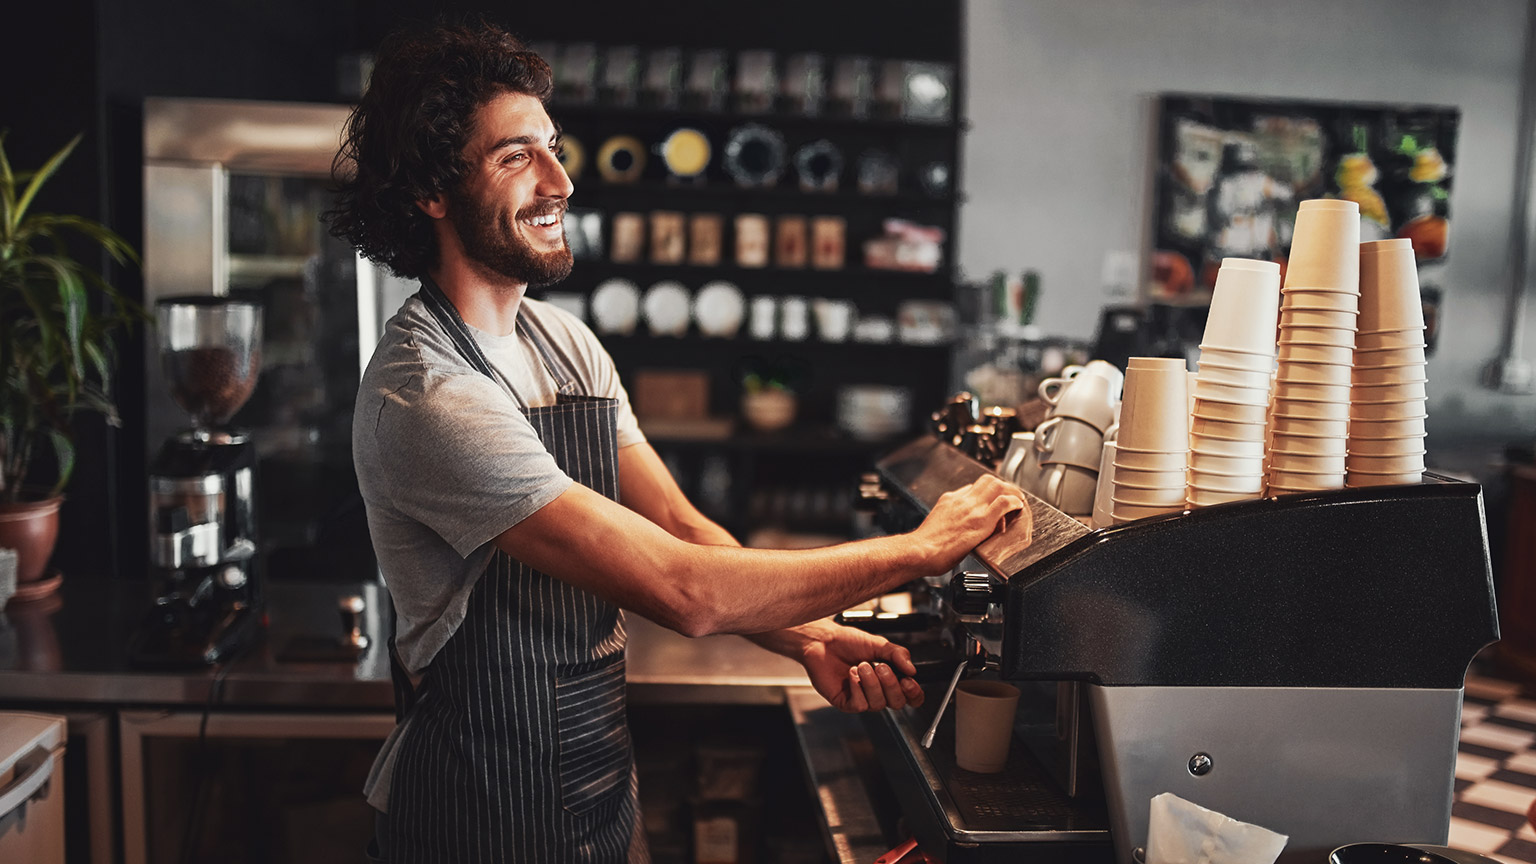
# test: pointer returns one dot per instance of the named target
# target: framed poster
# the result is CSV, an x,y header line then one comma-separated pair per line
x,y
1230,173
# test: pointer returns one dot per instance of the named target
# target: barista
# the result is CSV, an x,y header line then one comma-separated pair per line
x,y
515,506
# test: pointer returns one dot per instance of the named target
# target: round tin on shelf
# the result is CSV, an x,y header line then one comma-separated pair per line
x,y
754,155
621,159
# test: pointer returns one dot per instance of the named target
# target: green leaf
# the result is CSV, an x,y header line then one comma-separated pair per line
x,y
64,453
42,176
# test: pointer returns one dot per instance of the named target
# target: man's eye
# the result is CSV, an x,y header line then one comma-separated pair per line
x,y
558,148
519,156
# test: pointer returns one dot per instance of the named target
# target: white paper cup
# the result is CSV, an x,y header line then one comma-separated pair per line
x,y
1297,352
1224,376
1281,424
1124,512
1288,481
1202,428
1302,445
1325,245
1244,304
1332,374
1377,430
1356,479
1386,446
1229,412
1247,449
1251,361
1401,463
1389,286
1310,410
1104,489
1379,375
1371,340
1135,478
1154,413
1390,356
984,724
1412,409
1234,466
1372,393
1145,460
1208,497
1292,317
1210,391
1171,497
1251,484
1306,463
1321,298
1302,391
1335,336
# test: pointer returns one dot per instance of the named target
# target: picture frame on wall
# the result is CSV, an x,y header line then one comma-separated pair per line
x,y
1230,173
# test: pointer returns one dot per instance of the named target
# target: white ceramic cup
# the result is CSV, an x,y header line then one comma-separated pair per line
x,y
834,319
794,318
1087,397
1069,488
984,724
1068,441
763,322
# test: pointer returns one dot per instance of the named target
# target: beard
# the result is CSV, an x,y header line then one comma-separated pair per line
x,y
491,239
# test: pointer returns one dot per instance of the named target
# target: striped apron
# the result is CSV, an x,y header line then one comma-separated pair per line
x,y
517,748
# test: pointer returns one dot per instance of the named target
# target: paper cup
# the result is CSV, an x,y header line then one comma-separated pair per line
x,y
1136,496
1386,446
1251,361
1207,497
1226,377
1305,463
1135,478
1297,352
1244,304
1292,317
1236,466
1202,428
1146,460
1297,482
1377,430
1321,298
1373,393
1371,340
1389,286
1309,427
1378,375
1334,336
1331,374
1390,356
1413,409
984,713
1154,412
1310,410
1302,391
1325,245
1251,483
1210,391
1229,412
1357,479
1401,463
1206,445
1302,445
1124,512
1104,489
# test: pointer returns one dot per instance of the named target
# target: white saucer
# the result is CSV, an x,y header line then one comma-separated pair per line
x,y
719,309
667,308
615,306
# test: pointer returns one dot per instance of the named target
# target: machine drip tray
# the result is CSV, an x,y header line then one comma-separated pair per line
x,y
977,817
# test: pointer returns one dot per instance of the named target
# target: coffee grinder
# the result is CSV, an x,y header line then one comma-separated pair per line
x,y
202,517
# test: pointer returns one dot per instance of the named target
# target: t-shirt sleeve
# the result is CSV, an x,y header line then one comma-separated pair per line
x,y
458,456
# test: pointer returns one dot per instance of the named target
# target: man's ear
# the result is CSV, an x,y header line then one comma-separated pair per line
x,y
435,207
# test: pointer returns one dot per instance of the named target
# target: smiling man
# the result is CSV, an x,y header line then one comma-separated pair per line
x,y
515,506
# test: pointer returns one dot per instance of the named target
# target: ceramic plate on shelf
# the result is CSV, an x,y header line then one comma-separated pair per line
x,y
615,306
719,309
667,308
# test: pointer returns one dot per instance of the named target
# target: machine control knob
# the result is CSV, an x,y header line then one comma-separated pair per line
x,y
1200,764
971,592
232,577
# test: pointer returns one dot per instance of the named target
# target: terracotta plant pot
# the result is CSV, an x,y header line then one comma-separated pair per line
x,y
31,528
769,410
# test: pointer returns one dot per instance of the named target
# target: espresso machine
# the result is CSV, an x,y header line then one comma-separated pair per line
x,y
1296,662
202,519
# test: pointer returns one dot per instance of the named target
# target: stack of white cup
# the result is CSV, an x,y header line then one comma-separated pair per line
x,y
1387,407
1309,419
1151,452
1231,389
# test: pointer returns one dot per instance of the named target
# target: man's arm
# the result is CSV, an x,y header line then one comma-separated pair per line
x,y
625,557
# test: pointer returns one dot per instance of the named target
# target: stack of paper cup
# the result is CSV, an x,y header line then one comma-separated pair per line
x,y
1319,311
1152,448
1387,403
1231,389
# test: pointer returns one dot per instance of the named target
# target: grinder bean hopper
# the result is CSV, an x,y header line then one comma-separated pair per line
x,y
202,489
1295,662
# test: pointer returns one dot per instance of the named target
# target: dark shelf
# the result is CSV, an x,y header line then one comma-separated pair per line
x,y
786,122
591,191
741,344
591,271
795,440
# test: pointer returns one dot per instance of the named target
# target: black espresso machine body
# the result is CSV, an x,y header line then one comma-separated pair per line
x,y
1295,662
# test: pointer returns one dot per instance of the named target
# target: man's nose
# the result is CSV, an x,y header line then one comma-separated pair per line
x,y
553,181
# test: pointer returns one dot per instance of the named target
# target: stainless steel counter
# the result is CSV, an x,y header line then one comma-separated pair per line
x,y
72,648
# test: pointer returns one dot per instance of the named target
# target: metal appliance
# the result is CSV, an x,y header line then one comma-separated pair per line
x,y
202,488
1295,662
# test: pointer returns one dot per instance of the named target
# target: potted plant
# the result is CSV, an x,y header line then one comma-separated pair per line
x,y
57,316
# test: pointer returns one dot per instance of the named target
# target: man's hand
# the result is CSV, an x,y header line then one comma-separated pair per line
x,y
857,671
962,518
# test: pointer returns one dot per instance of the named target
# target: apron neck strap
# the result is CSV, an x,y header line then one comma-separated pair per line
x,y
452,322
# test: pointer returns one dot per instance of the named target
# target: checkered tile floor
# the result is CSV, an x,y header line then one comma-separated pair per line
x,y
1495,771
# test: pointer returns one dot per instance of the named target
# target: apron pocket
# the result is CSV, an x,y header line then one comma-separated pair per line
x,y
594,738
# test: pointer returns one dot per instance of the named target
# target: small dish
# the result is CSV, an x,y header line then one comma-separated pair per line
x,y
719,309
667,308
615,306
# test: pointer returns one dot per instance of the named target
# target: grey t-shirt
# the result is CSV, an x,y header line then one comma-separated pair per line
x,y
447,461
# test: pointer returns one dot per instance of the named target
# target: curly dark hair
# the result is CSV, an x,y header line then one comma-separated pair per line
x,y
404,141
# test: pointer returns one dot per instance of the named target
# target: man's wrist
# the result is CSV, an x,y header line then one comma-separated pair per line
x,y
791,642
